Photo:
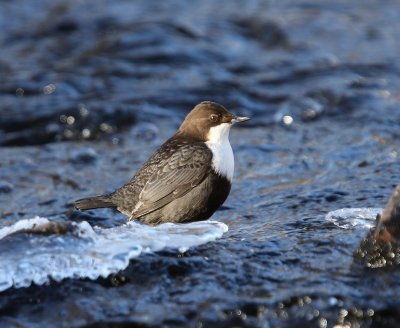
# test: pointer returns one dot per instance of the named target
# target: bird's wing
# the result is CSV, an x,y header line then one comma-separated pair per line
x,y
175,176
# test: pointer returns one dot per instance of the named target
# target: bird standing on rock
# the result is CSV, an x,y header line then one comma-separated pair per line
x,y
187,179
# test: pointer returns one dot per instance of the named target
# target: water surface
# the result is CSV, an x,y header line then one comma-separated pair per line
x,y
89,89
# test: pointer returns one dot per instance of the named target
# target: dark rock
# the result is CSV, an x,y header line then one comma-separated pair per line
x,y
377,253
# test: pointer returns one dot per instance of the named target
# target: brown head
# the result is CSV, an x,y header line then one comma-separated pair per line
x,y
204,117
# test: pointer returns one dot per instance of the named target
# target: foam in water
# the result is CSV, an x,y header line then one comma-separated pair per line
x,y
88,252
349,218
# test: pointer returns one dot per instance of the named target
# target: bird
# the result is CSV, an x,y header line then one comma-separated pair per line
x,y
388,222
185,180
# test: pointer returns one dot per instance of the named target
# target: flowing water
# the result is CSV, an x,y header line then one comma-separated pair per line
x,y
89,89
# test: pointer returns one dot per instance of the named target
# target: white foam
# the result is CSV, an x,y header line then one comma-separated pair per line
x,y
91,252
349,218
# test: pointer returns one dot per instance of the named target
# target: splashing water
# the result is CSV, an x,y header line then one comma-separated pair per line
x,y
86,252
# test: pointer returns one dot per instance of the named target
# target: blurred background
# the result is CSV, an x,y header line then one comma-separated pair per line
x,y
88,89
68,66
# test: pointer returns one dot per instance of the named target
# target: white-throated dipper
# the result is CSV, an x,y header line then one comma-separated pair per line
x,y
187,179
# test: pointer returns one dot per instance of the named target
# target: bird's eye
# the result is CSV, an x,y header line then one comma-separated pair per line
x,y
214,117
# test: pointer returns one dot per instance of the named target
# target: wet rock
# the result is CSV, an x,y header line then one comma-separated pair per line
x,y
381,247
375,253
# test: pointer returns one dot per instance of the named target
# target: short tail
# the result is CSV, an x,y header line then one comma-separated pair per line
x,y
94,202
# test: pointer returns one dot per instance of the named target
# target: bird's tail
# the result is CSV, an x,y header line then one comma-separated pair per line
x,y
94,202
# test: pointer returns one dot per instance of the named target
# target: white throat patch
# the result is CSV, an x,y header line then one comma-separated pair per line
x,y
218,142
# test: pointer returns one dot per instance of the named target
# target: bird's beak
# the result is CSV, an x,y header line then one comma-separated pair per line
x,y
238,119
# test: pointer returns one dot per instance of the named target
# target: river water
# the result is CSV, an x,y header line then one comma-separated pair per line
x,y
89,89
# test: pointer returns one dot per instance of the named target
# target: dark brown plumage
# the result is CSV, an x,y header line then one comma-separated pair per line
x,y
186,179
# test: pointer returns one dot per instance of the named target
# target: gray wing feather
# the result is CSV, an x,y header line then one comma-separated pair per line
x,y
175,176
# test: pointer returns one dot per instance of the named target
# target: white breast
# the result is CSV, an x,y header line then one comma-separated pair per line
x,y
218,142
